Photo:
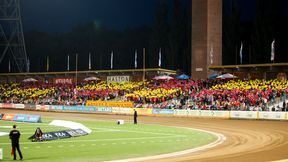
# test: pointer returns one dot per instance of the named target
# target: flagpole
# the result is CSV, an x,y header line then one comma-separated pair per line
x,y
159,59
9,66
135,61
76,70
68,63
89,63
28,65
111,61
240,53
47,63
143,77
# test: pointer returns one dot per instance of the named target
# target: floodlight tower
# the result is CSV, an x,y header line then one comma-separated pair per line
x,y
12,42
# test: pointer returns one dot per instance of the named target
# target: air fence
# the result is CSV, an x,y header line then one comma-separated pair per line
x,y
257,115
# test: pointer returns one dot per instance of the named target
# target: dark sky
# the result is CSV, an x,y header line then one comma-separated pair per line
x,y
62,15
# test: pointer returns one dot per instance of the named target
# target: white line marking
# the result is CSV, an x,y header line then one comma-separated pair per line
x,y
5,126
220,139
169,134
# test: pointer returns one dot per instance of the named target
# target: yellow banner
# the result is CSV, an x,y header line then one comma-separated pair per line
x,y
143,111
108,103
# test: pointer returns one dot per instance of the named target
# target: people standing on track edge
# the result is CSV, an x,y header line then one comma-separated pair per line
x,y
135,116
14,136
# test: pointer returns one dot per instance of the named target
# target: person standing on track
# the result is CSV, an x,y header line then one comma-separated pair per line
x,y
14,136
135,116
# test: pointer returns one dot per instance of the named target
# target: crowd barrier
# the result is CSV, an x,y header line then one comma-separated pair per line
x,y
265,115
21,118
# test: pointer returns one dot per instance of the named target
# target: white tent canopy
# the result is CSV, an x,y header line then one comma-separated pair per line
x,y
29,80
163,77
227,76
91,79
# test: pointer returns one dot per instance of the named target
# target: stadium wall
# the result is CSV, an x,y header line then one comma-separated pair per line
x,y
254,115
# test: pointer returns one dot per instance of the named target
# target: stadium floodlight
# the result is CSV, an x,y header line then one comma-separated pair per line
x,y
12,42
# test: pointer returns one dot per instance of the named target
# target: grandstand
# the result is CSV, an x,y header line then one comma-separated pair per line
x,y
133,75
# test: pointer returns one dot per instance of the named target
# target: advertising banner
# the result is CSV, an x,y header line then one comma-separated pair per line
x,y
143,111
181,112
42,107
63,80
1,116
244,114
272,115
8,117
47,136
122,110
194,113
80,108
205,113
104,109
55,107
118,79
76,132
30,106
163,112
109,103
27,118
8,105
19,106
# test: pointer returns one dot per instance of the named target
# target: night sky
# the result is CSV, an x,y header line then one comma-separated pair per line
x,y
62,15
49,29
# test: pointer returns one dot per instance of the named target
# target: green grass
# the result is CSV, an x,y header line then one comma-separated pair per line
x,y
108,141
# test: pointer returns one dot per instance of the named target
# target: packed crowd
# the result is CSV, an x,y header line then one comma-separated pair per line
x,y
173,94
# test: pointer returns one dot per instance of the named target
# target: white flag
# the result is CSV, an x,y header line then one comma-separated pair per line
x,y
111,60
135,62
273,50
211,54
28,65
240,53
9,66
89,63
159,61
47,63
68,63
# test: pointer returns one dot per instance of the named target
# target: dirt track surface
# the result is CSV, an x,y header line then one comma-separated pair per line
x,y
246,140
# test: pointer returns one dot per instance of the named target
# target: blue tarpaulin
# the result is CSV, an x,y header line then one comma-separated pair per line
x,y
212,76
183,77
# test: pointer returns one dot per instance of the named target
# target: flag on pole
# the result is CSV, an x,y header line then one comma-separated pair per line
x,y
273,50
47,63
135,62
68,63
111,60
211,54
240,53
28,65
89,67
159,61
9,66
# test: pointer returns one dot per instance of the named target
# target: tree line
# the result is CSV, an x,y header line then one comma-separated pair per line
x,y
170,32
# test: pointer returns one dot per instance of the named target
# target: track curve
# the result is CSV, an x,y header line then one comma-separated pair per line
x,y
246,140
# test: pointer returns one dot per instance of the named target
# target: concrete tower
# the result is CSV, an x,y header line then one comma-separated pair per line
x,y
206,36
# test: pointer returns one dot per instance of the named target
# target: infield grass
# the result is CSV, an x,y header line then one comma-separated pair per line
x,y
108,141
